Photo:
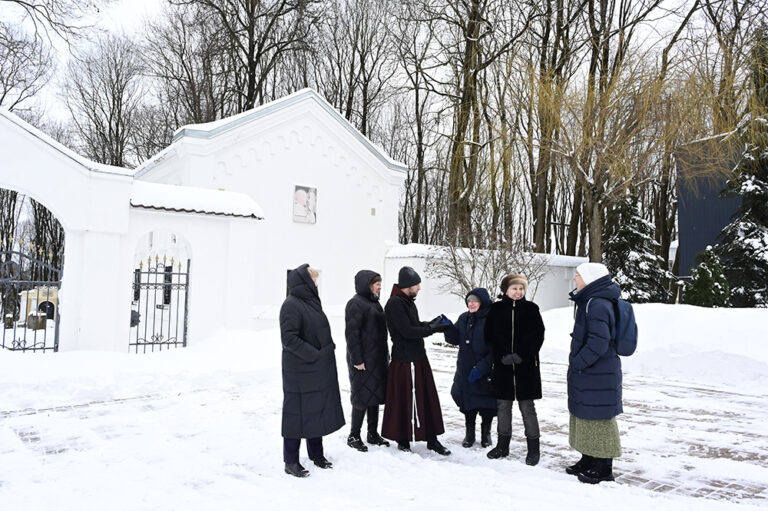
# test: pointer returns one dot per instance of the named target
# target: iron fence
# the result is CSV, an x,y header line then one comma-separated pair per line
x,y
159,310
29,300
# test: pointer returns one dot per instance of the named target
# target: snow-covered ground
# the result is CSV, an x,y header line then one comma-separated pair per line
x,y
199,429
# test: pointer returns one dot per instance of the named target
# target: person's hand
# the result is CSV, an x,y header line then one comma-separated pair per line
x,y
512,358
360,367
474,375
437,325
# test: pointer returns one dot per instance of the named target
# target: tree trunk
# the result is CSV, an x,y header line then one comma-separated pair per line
x,y
593,212
573,225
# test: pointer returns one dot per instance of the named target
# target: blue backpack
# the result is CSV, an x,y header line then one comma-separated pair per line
x,y
626,328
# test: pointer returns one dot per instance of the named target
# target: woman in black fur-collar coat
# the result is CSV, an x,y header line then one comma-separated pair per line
x,y
515,331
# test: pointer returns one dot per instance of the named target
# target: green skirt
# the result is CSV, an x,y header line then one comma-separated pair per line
x,y
596,438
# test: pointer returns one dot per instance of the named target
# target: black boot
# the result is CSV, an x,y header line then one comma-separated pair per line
x,y
469,437
296,470
322,462
534,454
433,444
485,434
375,439
356,443
404,446
580,465
601,470
502,448
354,440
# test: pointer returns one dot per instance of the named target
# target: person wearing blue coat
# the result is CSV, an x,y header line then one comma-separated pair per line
x,y
471,388
594,375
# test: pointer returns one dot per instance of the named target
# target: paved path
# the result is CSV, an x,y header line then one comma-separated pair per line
x,y
681,439
666,441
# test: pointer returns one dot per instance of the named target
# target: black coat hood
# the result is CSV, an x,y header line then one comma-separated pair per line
x,y
301,285
363,281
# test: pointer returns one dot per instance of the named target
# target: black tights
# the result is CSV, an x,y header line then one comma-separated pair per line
x,y
486,414
357,419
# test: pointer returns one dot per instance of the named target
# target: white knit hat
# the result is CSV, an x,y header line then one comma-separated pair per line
x,y
590,272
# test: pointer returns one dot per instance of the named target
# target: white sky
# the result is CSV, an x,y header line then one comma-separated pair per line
x,y
118,16
129,16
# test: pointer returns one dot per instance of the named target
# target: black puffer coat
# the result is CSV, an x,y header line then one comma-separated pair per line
x,y
311,400
366,335
468,334
517,381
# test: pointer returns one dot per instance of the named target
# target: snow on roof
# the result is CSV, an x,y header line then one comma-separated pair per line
x,y
411,250
46,139
189,199
565,261
212,129
421,251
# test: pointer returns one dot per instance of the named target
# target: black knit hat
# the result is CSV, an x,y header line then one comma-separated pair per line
x,y
407,277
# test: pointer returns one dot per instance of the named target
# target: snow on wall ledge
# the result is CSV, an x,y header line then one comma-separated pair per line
x,y
194,200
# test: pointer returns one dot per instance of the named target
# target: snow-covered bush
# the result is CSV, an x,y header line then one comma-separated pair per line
x,y
708,286
743,244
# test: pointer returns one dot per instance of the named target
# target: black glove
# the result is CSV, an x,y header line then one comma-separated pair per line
x,y
436,325
512,358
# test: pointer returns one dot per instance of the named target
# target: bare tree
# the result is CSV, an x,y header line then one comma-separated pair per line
x,y
67,19
555,40
103,92
48,236
606,131
259,33
462,269
25,66
186,51
413,46
354,58
475,45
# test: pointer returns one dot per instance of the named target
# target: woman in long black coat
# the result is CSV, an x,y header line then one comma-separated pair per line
x,y
367,357
311,399
515,331
471,390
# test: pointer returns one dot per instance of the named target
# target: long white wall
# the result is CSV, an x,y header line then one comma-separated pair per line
x,y
433,299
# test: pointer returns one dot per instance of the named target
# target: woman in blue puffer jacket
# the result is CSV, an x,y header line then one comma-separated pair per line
x,y
594,375
471,389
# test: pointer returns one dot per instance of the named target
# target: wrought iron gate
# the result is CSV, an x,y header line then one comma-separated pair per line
x,y
159,308
29,301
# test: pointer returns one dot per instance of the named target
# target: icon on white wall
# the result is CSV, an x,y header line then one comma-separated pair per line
x,y
305,205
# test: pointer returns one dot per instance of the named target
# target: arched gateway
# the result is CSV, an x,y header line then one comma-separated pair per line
x,y
29,290
105,212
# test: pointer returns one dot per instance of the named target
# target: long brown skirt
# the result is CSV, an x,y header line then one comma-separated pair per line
x,y
398,423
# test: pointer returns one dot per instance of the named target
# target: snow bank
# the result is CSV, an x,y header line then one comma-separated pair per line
x,y
711,347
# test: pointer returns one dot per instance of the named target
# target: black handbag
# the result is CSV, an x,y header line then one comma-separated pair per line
x,y
485,385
